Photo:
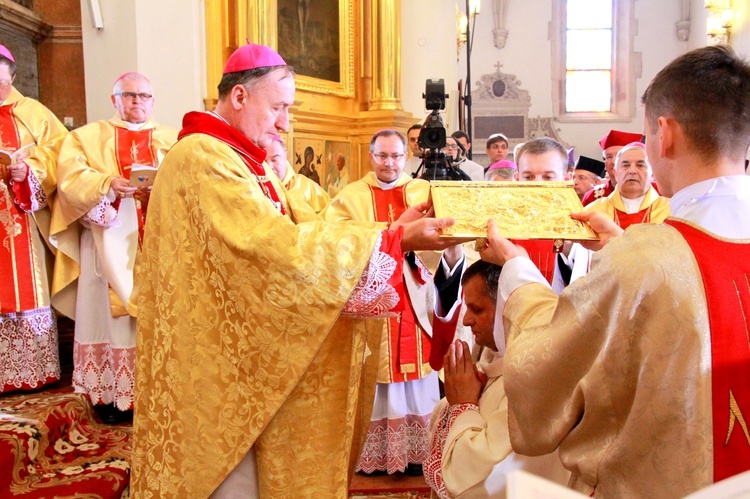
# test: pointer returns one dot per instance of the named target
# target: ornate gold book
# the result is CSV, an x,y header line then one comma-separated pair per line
x,y
522,210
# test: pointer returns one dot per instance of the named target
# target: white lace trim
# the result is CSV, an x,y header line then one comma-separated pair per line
x,y
391,444
104,213
105,373
28,349
38,196
374,296
433,465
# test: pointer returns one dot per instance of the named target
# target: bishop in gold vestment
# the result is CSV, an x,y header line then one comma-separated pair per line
x,y
98,235
248,339
28,328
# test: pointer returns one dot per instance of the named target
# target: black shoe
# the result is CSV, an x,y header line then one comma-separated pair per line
x,y
414,469
110,414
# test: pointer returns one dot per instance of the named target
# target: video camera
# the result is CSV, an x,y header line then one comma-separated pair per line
x,y
432,138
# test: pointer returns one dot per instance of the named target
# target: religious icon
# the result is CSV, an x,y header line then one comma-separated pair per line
x,y
308,158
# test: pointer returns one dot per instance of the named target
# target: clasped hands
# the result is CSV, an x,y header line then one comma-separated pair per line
x,y
499,250
463,381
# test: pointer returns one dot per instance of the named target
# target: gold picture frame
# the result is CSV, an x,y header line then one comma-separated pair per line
x,y
522,210
232,23
265,29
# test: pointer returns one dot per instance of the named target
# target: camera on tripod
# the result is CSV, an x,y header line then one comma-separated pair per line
x,y
435,164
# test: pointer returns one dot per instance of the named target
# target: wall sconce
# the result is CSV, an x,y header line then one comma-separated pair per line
x,y
462,23
719,22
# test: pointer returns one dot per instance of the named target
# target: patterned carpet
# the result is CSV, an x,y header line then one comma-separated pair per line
x,y
51,445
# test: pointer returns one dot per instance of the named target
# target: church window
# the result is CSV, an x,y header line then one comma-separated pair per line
x,y
594,67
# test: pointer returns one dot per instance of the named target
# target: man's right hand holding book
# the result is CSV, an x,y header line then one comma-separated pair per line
x,y
121,187
19,169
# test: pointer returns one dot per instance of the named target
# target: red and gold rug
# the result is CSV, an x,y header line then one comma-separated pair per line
x,y
51,445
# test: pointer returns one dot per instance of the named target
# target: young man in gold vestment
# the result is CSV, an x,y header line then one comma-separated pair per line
x,y
252,373
638,372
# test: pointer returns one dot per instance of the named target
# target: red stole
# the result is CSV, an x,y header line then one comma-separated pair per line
x,y
625,220
17,259
542,253
213,125
408,345
134,146
727,284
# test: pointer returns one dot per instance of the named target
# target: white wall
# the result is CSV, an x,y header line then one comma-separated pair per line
x,y
527,54
164,40
428,50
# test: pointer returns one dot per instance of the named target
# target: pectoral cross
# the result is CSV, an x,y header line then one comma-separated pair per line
x,y
391,214
134,152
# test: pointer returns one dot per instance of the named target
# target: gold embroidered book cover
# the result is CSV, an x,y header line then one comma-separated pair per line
x,y
522,210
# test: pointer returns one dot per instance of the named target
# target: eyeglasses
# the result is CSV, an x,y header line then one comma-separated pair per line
x,y
131,95
451,148
583,177
382,158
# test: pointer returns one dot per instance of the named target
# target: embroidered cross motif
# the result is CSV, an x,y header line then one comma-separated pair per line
x,y
134,152
736,415
742,307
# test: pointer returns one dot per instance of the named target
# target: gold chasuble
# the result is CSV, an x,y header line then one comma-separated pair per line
x,y
241,341
308,189
94,155
654,209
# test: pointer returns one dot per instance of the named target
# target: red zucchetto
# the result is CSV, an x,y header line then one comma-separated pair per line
x,y
619,138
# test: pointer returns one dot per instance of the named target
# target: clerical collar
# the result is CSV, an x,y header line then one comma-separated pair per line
x,y
694,194
632,205
133,127
387,186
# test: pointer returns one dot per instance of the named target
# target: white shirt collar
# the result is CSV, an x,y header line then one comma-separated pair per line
x,y
133,126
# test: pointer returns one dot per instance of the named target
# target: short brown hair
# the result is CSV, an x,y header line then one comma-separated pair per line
x,y
496,137
541,145
707,91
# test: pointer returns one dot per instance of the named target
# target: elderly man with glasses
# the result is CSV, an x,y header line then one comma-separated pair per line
x,y
634,200
407,389
30,136
97,224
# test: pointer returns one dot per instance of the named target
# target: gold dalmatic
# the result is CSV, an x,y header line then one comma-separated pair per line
x,y
26,320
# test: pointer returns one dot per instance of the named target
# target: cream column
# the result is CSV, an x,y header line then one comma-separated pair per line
x,y
164,40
